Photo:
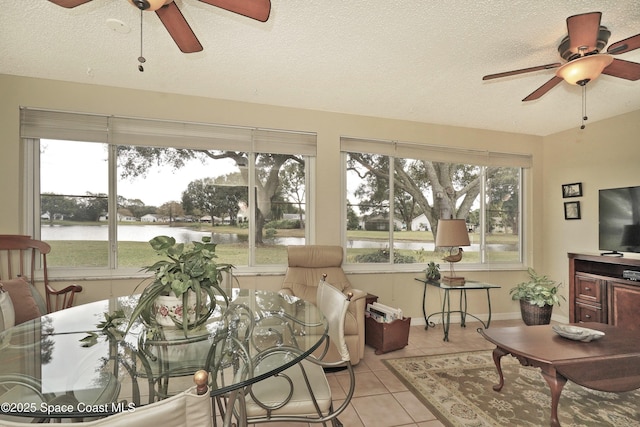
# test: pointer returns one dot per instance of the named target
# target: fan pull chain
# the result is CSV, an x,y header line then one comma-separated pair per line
x,y
141,58
584,106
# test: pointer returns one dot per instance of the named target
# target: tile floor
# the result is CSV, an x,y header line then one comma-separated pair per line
x,y
380,399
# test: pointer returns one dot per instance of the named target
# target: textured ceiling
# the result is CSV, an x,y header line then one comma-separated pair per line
x,y
404,59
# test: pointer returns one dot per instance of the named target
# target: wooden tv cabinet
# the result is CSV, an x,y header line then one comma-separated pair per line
x,y
598,293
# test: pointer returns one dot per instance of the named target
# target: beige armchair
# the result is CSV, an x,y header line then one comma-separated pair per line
x,y
306,266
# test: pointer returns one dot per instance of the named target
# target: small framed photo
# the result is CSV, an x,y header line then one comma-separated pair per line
x,y
572,210
572,190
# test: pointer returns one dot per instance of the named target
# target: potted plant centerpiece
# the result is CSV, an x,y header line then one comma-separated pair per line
x,y
537,297
190,276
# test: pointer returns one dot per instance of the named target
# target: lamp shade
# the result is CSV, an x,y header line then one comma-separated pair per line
x,y
452,233
584,69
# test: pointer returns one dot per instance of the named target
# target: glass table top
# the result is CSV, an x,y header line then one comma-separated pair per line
x,y
65,364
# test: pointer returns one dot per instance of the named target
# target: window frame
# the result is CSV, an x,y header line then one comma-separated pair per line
x,y
403,150
37,125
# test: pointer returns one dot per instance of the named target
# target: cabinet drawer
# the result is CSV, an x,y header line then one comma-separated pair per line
x,y
588,288
589,313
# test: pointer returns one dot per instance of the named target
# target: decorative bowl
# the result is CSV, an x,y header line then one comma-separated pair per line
x,y
577,333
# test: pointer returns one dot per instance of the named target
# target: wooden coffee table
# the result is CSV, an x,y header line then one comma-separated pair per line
x,y
610,364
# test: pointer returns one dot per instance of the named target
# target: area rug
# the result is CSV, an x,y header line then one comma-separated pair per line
x,y
457,389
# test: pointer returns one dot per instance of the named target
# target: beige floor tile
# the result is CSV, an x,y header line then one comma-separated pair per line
x,y
390,381
381,410
414,406
367,384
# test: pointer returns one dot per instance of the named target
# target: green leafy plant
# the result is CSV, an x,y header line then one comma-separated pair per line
x,y
538,290
184,268
432,271
109,328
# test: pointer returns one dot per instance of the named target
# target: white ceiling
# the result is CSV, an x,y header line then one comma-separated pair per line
x,y
415,60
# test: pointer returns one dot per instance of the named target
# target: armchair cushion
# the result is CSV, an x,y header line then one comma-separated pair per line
x,y
306,267
24,304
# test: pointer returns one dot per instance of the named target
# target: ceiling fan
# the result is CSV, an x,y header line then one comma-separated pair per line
x,y
177,25
582,48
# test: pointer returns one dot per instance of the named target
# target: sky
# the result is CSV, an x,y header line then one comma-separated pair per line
x,y
75,168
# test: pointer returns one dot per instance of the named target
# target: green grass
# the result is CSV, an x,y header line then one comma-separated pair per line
x,y
74,253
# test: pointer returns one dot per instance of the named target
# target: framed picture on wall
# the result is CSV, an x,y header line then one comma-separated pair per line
x,y
572,190
572,210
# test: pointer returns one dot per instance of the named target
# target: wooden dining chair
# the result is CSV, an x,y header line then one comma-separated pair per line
x,y
302,393
190,408
20,258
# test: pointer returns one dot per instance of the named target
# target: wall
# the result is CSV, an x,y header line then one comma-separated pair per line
x,y
394,289
605,154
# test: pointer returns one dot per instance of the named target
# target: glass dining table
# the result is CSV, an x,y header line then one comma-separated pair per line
x,y
79,363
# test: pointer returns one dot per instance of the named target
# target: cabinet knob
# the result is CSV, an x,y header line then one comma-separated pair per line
x,y
588,316
587,288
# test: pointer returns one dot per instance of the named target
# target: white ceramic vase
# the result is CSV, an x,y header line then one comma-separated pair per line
x,y
168,307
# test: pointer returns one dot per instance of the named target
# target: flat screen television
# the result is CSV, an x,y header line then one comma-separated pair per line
x,y
619,220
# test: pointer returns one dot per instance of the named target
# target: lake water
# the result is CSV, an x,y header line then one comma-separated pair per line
x,y
144,233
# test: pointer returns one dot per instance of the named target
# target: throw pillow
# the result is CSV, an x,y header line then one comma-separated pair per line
x,y
24,304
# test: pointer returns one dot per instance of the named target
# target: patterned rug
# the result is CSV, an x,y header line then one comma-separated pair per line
x,y
457,389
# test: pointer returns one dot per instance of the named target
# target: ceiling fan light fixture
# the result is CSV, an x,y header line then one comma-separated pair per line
x,y
582,70
150,5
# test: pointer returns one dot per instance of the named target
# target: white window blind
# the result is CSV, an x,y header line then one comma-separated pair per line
x,y
434,153
65,126
37,123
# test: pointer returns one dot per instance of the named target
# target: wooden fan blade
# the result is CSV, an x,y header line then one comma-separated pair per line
x,y
583,31
178,28
626,45
544,88
69,3
624,69
254,9
521,71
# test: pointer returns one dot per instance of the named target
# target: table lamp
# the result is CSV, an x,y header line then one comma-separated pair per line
x,y
452,234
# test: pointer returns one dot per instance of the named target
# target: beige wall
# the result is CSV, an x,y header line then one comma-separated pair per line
x,y
604,155
543,206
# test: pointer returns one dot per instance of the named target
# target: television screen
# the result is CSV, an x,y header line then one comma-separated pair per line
x,y
619,229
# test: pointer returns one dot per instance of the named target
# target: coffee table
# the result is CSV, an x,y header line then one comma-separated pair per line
x,y
610,364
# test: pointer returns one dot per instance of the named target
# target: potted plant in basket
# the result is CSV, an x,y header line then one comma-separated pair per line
x,y
190,275
537,297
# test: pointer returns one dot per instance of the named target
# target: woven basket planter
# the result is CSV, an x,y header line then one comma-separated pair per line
x,y
534,315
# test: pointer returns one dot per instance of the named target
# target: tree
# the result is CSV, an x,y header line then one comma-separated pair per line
x,y
439,190
293,185
136,206
215,199
91,207
353,222
137,161
57,205
171,210
503,191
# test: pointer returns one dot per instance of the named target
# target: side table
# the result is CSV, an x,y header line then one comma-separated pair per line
x,y
446,303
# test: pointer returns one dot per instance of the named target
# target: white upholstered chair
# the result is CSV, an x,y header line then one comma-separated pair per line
x,y
306,266
302,393
191,408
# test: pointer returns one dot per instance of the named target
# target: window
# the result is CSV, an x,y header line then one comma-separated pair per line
x,y
396,193
101,187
